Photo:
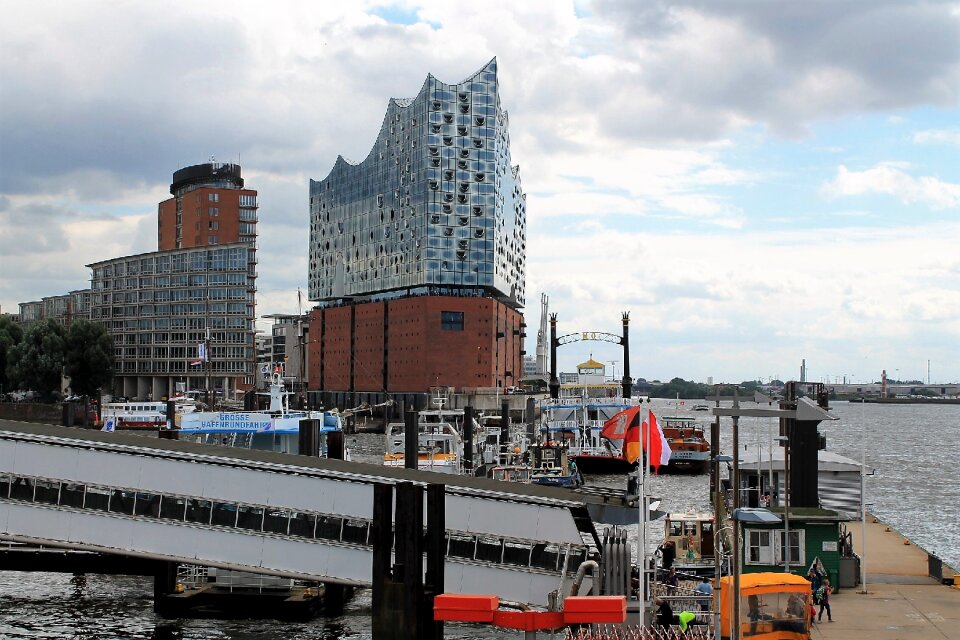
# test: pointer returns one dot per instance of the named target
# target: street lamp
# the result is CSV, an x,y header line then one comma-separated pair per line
x,y
786,502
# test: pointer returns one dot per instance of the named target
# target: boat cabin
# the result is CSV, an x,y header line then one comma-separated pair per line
x,y
692,536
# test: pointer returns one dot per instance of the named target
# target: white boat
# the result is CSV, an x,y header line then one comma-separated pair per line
x,y
577,417
141,415
275,429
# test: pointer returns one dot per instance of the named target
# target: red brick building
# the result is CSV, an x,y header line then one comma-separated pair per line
x,y
408,345
209,206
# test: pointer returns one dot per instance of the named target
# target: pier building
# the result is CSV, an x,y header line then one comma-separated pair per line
x,y
417,254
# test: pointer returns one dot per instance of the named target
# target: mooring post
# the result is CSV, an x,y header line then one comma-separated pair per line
x,y
381,534
436,556
505,429
411,440
468,440
164,584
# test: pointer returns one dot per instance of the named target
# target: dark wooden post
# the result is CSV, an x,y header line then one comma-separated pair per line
x,y
468,440
436,557
411,440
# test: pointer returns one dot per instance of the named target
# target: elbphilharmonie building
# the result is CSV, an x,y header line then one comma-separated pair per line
x,y
435,205
434,218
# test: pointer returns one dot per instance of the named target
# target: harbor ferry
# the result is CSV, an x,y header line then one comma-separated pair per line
x,y
275,429
690,449
141,415
576,420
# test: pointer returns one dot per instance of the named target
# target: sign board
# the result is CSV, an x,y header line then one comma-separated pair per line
x,y
829,545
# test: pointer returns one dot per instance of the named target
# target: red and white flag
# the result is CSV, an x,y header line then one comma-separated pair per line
x,y
659,449
616,427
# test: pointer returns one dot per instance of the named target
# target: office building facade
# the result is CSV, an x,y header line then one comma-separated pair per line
x,y
417,253
160,306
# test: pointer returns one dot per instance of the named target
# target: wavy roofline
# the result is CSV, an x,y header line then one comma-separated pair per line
x,y
341,160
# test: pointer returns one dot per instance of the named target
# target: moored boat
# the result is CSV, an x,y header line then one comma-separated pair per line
x,y
690,449
692,538
577,417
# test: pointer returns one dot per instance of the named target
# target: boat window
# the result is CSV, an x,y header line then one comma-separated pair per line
x,y
329,527
250,518
146,504
97,498
490,549
224,514
71,495
198,511
303,524
516,553
355,531
275,521
461,547
675,529
173,508
544,556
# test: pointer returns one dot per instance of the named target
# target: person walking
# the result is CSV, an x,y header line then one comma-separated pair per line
x,y
704,590
824,593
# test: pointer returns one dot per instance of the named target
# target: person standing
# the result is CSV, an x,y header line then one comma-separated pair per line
x,y
704,590
668,553
824,597
664,613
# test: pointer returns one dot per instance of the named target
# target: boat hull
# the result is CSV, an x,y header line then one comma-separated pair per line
x,y
603,464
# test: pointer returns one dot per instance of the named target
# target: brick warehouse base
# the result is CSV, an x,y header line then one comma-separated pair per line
x,y
410,344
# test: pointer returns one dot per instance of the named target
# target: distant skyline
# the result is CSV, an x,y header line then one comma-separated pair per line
x,y
757,183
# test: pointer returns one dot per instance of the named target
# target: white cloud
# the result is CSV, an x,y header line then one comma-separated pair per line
x,y
938,136
889,179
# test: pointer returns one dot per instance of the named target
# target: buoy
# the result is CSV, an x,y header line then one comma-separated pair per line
x,y
178,588
875,521
906,542
887,529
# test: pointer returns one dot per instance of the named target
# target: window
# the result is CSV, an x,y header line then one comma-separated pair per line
x,y
767,547
451,320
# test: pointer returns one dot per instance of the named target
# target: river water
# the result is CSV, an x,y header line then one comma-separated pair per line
x,y
915,489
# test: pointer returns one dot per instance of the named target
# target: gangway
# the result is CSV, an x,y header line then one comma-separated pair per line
x,y
274,514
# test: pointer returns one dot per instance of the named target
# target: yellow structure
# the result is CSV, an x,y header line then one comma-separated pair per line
x,y
773,606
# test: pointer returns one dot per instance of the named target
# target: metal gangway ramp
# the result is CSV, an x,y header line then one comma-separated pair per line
x,y
276,514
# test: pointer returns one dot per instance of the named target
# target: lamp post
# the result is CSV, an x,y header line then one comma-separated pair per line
x,y
786,502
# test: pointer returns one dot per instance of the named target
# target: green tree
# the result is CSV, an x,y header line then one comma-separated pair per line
x,y
10,334
88,358
37,361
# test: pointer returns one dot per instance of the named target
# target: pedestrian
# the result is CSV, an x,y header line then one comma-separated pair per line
x,y
673,580
668,553
824,597
664,612
704,590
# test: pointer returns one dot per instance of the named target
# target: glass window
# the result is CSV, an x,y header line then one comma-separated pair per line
x,y
451,320
329,527
97,498
21,489
461,547
759,548
46,491
355,531
489,549
122,502
4,486
147,504
516,553
224,514
250,518
794,552
303,524
545,556
276,521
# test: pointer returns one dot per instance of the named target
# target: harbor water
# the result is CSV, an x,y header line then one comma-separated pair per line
x,y
914,489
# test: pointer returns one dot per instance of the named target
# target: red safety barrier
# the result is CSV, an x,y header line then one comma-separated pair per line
x,y
456,607
528,620
594,609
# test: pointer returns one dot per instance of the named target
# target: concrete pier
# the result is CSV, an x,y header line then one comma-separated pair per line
x,y
902,601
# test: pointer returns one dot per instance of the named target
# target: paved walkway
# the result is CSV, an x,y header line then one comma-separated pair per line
x,y
901,601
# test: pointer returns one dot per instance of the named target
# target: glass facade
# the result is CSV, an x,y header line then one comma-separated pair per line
x,y
158,307
436,205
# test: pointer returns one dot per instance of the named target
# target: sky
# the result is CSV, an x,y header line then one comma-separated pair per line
x,y
757,183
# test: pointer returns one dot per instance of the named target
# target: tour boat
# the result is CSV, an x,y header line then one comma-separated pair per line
x,y
692,535
141,415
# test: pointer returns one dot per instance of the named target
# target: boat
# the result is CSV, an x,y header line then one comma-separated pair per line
x,y
692,537
439,447
275,429
701,407
141,415
689,446
576,419
547,465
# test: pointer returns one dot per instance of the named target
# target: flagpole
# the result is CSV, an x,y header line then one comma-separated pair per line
x,y
645,460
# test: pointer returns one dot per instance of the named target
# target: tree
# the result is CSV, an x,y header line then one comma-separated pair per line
x,y
37,361
88,358
10,334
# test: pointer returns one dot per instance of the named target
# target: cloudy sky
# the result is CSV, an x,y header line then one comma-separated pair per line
x,y
757,183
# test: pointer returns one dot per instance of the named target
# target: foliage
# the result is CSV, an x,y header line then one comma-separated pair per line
x,y
680,388
37,361
10,335
88,359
